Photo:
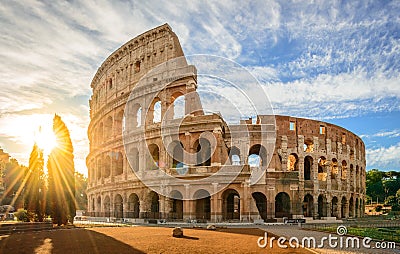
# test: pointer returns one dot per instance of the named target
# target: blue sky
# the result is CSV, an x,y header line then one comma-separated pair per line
x,y
336,61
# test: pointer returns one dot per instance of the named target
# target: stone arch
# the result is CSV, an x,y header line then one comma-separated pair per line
x,y
357,212
351,173
119,122
276,162
261,204
154,160
344,170
308,206
178,104
134,155
176,205
99,168
154,113
257,156
98,204
154,203
203,204
292,162
107,206
138,116
203,149
308,146
133,206
343,207
321,164
282,205
322,206
351,207
334,207
356,179
234,156
308,163
176,149
118,162
334,168
108,127
231,205
107,166
118,206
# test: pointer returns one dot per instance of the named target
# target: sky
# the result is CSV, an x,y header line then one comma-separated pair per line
x,y
336,61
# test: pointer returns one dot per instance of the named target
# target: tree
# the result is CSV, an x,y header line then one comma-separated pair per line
x,y
375,188
80,191
61,178
13,184
35,184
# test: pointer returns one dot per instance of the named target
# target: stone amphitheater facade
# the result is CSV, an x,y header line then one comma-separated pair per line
x,y
315,170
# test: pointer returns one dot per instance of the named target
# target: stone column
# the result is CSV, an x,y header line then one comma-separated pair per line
x,y
300,164
142,209
271,204
315,212
244,203
346,209
213,208
328,206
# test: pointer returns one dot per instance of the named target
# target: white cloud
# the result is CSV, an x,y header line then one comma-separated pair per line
x,y
335,94
319,60
383,134
387,157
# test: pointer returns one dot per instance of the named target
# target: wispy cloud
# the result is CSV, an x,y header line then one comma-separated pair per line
x,y
321,59
384,158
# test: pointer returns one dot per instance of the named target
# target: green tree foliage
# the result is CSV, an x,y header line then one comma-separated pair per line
x,y
35,187
61,178
22,215
80,191
375,185
14,175
384,187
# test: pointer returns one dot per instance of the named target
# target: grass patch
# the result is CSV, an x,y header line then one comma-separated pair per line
x,y
383,234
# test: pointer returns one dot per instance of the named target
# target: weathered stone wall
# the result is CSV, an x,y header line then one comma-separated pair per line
x,y
317,169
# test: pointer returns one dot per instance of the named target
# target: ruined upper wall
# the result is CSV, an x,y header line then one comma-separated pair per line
x,y
324,137
144,44
124,67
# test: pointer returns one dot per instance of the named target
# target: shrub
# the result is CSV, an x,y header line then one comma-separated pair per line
x,y
22,215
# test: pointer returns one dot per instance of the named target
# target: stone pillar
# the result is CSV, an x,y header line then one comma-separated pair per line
x,y
162,208
315,212
254,214
300,164
188,204
216,205
142,209
216,156
284,141
213,208
346,209
271,204
328,206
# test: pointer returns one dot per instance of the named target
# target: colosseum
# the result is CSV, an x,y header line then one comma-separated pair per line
x,y
314,170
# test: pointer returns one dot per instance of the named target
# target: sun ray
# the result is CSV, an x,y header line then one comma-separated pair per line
x,y
45,139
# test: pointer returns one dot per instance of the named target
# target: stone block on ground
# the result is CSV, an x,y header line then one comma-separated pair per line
x,y
177,232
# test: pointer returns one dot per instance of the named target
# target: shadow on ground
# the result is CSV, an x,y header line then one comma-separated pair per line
x,y
63,241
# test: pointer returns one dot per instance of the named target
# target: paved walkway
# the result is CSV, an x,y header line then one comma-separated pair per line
x,y
289,231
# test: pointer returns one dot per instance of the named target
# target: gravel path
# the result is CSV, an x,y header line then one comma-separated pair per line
x,y
289,231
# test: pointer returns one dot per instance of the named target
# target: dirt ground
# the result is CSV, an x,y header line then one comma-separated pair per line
x,y
137,240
